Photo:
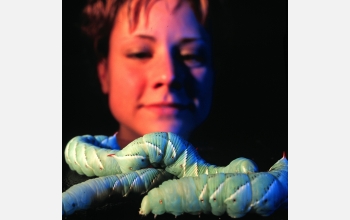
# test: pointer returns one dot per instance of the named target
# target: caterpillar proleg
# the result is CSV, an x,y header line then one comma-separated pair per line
x,y
235,193
94,192
85,155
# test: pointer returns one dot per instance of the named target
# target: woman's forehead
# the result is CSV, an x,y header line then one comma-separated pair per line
x,y
159,18
135,10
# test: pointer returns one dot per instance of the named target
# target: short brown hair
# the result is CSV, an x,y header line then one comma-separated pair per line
x,y
99,16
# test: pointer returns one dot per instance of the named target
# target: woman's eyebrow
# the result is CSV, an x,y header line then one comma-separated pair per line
x,y
146,37
189,40
183,41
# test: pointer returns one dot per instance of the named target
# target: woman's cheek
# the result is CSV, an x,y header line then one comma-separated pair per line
x,y
204,91
135,74
130,82
204,80
203,75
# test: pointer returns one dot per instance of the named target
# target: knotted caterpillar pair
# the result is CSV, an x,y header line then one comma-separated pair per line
x,y
95,156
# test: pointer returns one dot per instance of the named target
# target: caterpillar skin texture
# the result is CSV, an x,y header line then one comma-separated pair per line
x,y
94,192
234,193
96,156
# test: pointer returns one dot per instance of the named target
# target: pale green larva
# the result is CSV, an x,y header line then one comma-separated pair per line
x,y
123,170
94,192
234,193
88,155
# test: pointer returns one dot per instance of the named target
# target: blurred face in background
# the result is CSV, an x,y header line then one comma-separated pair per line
x,y
158,74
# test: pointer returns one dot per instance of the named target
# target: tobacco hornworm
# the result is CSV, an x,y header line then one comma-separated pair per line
x,y
94,192
101,156
92,156
234,193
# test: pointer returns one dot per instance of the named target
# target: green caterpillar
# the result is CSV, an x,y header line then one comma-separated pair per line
x,y
234,193
94,192
100,156
86,155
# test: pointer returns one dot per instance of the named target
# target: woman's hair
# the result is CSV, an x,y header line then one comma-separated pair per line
x,y
99,16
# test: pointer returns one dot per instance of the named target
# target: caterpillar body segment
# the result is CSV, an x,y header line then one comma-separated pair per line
x,y
234,193
161,149
94,192
280,171
89,155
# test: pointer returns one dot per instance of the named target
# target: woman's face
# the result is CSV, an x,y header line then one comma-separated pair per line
x,y
158,76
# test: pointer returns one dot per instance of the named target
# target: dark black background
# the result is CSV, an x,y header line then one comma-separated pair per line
x,y
249,116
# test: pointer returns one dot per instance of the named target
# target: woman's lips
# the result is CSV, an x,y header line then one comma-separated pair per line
x,y
166,108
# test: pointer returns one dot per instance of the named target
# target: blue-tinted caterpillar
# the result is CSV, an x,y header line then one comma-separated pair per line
x,y
98,156
234,193
94,192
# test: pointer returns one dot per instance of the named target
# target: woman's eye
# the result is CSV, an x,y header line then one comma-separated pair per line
x,y
140,55
193,60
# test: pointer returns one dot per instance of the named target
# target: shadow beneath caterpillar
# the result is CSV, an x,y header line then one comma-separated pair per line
x,y
128,209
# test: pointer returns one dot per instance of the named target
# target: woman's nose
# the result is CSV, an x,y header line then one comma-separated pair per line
x,y
168,73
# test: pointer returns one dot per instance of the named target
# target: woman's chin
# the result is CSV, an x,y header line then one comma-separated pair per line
x,y
175,126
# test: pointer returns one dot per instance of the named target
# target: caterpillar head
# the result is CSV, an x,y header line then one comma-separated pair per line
x,y
145,206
